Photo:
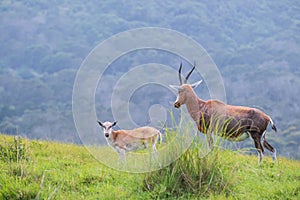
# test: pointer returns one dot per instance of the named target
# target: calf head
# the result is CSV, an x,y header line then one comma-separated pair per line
x,y
107,127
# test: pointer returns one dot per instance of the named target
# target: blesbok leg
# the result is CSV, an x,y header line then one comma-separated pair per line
x,y
257,142
270,148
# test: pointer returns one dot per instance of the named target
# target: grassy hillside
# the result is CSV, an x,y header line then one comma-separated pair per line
x,y
49,170
255,45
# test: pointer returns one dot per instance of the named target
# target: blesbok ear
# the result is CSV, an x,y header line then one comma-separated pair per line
x,y
114,123
100,123
196,84
176,87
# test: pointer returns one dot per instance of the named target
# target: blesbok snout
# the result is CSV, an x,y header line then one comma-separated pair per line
x,y
177,104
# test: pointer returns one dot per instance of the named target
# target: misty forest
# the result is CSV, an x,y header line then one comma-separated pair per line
x,y
255,45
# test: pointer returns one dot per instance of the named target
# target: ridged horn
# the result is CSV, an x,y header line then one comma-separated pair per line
x,y
187,77
179,74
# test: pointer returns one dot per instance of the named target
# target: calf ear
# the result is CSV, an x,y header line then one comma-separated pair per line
x,y
113,124
196,84
100,123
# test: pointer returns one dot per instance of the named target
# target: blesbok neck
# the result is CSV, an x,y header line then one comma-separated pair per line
x,y
194,105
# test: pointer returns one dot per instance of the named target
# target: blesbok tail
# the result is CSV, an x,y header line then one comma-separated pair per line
x,y
273,125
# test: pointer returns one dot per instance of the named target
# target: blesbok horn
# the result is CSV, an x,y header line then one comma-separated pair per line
x,y
188,76
179,74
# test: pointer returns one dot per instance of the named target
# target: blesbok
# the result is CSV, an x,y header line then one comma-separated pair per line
x,y
231,122
130,140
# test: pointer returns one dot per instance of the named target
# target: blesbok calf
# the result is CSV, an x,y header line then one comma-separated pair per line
x,y
231,122
130,140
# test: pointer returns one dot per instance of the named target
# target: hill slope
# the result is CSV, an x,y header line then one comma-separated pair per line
x,y
255,45
48,170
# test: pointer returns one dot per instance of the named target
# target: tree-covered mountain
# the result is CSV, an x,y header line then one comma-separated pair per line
x,y
255,44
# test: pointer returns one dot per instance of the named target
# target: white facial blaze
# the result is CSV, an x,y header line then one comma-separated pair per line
x,y
177,98
107,128
178,88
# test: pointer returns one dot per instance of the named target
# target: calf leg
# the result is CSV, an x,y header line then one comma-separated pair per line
x,y
122,155
154,149
257,142
155,154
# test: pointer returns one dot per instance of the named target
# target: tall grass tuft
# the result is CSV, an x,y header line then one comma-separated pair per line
x,y
14,151
190,175
197,172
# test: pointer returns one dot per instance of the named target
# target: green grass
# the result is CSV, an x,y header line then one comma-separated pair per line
x,y
62,171
50,170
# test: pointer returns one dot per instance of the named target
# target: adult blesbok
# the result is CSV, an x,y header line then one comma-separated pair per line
x,y
231,122
130,140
